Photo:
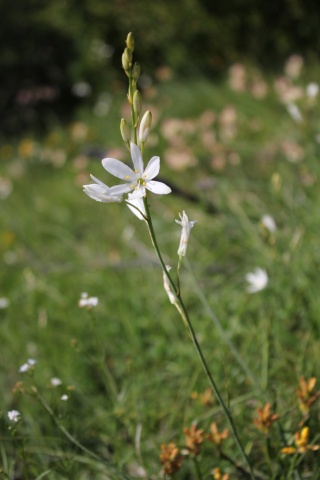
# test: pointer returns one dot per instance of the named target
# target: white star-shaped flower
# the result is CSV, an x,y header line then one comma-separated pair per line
x,y
137,180
257,280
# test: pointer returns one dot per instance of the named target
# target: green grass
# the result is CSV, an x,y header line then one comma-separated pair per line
x,y
57,243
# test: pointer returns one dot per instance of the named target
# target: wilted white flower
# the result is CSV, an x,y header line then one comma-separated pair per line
x,y
136,206
4,302
294,112
14,416
28,365
167,286
88,302
269,223
186,229
257,280
55,381
140,179
100,192
64,398
312,89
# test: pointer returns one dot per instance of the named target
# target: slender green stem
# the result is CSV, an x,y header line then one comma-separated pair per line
x,y
185,315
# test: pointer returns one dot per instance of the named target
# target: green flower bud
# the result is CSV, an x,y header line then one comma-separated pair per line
x,y
125,64
130,41
137,102
135,72
125,131
145,126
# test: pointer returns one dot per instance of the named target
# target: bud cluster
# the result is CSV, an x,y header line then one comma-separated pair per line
x,y
132,70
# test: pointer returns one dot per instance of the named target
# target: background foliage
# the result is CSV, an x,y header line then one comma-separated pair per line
x,y
48,47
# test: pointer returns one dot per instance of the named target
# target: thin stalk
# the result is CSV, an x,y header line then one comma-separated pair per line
x,y
197,468
196,343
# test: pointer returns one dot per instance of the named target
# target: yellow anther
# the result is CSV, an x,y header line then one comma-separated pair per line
x,y
127,177
132,185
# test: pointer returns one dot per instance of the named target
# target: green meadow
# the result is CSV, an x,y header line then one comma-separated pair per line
x,y
130,379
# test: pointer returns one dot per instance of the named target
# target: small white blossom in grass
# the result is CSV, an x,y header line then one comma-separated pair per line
x,y
55,381
87,302
269,223
257,280
14,416
28,365
100,192
312,90
294,112
4,302
137,180
167,286
186,229
64,398
136,206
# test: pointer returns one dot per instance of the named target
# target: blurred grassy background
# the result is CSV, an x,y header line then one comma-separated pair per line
x,y
232,153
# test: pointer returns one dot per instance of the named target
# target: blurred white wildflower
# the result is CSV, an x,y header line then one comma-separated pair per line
x,y
64,398
4,302
269,223
87,302
294,112
5,188
55,381
293,66
312,90
81,89
167,286
28,365
186,229
257,280
14,416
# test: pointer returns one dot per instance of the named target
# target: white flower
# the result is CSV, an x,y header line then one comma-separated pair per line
x,y
87,302
136,206
312,89
167,286
28,365
64,398
186,229
14,416
257,280
100,192
294,112
145,126
55,382
140,179
269,223
4,302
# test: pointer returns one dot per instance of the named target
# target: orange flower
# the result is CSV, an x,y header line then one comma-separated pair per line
x,y
301,443
206,398
194,438
265,418
170,458
215,436
306,394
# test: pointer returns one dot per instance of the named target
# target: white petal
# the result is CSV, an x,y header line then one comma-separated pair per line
x,y
158,187
137,158
98,181
118,169
100,193
120,189
138,193
152,169
136,206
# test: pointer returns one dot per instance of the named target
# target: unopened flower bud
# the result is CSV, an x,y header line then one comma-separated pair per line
x,y
137,102
125,131
126,60
136,71
130,41
145,126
